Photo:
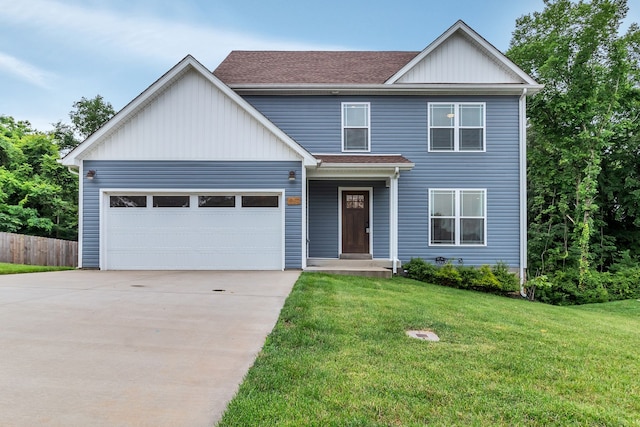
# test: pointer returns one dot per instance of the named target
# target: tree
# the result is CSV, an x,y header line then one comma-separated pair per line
x,y
89,114
38,195
587,111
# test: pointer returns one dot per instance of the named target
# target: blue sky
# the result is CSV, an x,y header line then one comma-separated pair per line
x,y
53,52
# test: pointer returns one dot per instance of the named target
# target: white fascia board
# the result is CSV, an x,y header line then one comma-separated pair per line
x,y
386,89
74,158
401,166
488,47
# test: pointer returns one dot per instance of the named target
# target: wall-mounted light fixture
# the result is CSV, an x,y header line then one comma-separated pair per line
x,y
292,175
91,173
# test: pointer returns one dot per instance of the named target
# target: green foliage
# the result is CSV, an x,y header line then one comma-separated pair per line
x,y
419,269
565,288
38,196
496,279
88,115
508,281
447,275
583,144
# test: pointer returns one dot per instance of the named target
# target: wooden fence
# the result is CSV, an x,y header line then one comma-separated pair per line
x,y
33,250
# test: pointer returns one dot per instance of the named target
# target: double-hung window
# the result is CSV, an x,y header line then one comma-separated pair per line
x,y
457,217
456,126
355,126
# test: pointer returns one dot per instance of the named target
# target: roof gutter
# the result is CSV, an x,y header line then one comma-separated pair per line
x,y
397,88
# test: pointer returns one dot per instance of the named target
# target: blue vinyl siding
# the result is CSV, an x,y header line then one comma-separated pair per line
x,y
191,175
399,126
323,217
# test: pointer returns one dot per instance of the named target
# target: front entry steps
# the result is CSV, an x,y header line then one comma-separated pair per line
x,y
352,267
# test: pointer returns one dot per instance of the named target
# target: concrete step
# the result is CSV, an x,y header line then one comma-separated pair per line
x,y
371,271
348,263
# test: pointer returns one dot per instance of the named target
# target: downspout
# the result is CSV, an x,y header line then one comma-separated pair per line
x,y
394,219
523,190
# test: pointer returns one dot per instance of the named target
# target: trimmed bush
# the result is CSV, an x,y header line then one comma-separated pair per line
x,y
496,279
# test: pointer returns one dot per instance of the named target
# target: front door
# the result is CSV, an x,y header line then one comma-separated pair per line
x,y
355,222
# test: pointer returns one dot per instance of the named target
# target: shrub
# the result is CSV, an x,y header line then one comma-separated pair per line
x,y
495,279
509,282
419,269
468,276
565,289
448,275
486,281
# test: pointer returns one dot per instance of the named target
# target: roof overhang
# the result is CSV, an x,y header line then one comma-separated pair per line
x,y
362,166
387,89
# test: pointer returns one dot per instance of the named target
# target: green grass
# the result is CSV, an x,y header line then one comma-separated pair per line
x,y
339,356
22,268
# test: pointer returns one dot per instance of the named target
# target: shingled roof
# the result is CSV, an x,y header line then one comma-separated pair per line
x,y
309,67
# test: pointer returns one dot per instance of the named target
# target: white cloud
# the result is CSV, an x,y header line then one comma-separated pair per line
x,y
107,31
24,71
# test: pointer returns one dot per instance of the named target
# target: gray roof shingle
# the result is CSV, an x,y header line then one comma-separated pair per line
x,y
310,67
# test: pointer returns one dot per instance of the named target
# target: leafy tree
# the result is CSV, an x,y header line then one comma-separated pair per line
x,y
582,120
89,114
38,196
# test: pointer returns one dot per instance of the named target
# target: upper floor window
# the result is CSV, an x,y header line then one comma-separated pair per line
x,y
456,126
457,217
355,126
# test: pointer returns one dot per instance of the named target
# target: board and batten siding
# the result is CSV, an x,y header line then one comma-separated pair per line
x,y
324,238
191,120
193,175
399,126
458,60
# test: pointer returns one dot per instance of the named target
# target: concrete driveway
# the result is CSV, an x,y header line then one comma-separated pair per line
x,y
114,348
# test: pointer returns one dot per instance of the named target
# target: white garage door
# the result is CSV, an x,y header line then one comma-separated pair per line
x,y
193,232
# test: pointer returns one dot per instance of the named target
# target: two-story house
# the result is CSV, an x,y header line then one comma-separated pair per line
x,y
278,159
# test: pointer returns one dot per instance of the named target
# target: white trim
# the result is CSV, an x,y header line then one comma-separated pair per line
x,y
74,157
80,213
386,89
104,193
393,220
368,126
523,185
370,190
457,217
457,127
489,49
304,189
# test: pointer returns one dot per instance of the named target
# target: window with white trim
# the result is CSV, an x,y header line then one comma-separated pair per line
x,y
457,126
355,126
457,217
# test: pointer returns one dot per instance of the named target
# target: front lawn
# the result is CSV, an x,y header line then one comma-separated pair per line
x,y
6,268
339,356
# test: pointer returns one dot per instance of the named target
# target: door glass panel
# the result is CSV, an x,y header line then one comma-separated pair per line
x,y
170,201
216,201
355,201
260,201
128,201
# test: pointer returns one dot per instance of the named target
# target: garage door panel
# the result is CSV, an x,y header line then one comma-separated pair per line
x,y
194,238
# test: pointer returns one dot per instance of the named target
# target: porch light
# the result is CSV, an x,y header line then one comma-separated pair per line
x,y
91,173
292,175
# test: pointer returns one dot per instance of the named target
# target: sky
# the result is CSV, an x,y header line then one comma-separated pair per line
x,y
54,52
